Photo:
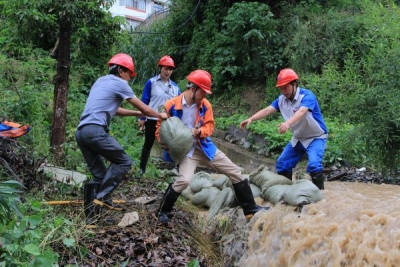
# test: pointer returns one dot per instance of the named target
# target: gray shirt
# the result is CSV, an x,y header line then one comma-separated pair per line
x,y
156,92
312,125
105,97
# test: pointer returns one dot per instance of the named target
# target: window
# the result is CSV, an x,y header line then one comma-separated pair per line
x,y
139,5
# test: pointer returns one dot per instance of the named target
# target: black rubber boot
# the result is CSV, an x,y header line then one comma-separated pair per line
x,y
144,158
168,201
287,174
111,180
246,199
91,210
318,179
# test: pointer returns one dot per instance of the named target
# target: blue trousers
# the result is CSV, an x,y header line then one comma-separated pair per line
x,y
292,155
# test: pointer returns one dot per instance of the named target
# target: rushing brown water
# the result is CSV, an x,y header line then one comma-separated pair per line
x,y
354,225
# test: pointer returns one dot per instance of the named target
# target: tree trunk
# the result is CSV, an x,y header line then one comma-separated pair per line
x,y
61,86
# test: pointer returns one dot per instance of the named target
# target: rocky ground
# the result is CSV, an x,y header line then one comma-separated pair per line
x,y
353,174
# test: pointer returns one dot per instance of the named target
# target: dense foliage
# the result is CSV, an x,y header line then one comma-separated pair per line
x,y
345,51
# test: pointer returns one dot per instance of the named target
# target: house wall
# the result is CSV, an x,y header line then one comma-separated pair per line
x,y
135,11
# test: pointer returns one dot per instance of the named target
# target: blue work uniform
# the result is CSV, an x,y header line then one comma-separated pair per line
x,y
309,134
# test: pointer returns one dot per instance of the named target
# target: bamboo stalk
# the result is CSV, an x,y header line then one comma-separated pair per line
x,y
77,202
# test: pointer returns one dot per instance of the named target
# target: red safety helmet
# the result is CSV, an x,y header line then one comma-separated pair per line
x,y
202,79
166,61
286,76
123,60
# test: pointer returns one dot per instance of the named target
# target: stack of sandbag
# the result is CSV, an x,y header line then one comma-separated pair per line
x,y
265,179
177,137
276,188
213,191
202,191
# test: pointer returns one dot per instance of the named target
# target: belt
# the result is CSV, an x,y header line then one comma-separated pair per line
x,y
94,124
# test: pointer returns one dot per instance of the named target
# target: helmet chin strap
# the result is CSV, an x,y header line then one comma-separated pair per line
x,y
293,92
194,92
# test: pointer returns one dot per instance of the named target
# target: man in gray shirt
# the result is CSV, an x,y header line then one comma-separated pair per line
x,y
103,103
300,109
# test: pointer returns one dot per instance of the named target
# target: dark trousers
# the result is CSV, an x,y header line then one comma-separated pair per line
x,y
96,145
149,134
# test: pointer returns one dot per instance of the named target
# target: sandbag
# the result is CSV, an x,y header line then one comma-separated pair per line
x,y
213,193
196,185
274,194
220,181
225,198
264,179
302,192
255,190
187,193
200,198
177,137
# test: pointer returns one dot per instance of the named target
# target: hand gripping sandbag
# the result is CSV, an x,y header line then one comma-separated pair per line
x,y
177,137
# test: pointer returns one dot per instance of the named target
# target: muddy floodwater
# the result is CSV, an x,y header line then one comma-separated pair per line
x,y
356,224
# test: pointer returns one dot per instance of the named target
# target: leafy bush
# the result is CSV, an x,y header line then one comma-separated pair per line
x,y
247,47
337,91
377,107
9,198
344,146
28,241
319,36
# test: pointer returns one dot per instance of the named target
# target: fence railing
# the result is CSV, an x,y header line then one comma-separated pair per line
x,y
150,19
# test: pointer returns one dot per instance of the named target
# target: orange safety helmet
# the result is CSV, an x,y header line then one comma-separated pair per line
x,y
202,79
285,76
166,61
123,60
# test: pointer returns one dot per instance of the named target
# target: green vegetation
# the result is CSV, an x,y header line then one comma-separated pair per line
x,y
33,239
347,52
9,199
